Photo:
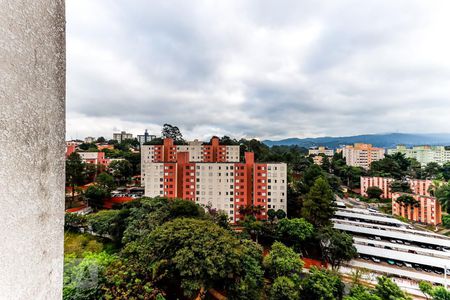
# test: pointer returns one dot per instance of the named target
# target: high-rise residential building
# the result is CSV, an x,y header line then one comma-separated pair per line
x,y
362,155
120,137
427,210
89,139
321,150
424,154
211,175
198,152
146,137
318,152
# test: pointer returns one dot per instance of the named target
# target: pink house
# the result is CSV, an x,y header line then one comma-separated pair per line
x,y
418,186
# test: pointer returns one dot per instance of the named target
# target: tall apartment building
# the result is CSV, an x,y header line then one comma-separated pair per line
x,y
121,136
211,175
89,139
418,186
428,210
317,153
424,154
362,155
198,152
146,137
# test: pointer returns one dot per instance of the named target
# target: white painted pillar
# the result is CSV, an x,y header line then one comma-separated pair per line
x,y
32,132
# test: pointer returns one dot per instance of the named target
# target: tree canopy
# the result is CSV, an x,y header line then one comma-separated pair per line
x,y
318,206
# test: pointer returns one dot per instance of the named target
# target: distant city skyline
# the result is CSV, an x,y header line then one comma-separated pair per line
x,y
265,69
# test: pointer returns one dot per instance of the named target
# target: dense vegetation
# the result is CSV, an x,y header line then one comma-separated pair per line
x,y
156,248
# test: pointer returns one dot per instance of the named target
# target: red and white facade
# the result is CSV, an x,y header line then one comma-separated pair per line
x,y
428,211
96,158
198,152
214,181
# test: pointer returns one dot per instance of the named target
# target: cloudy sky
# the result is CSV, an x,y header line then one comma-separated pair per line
x,y
266,69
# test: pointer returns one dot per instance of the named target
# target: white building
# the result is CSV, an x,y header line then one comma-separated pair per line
x,y
89,139
146,137
122,136
424,154
362,155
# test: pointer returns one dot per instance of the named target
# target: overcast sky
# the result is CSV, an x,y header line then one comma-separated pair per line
x,y
267,69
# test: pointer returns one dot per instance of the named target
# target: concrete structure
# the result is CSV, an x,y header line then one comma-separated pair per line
x,y
428,209
198,152
96,158
317,154
321,150
390,247
362,155
121,136
418,186
146,137
424,154
178,172
32,131
89,139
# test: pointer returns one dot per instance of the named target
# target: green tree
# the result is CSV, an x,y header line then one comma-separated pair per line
x,y
284,288
271,214
395,166
337,247
311,174
105,181
124,280
74,173
318,206
407,201
109,223
388,290
253,227
95,195
322,284
281,214
88,147
173,132
400,186
121,170
359,292
182,208
294,232
326,164
74,221
432,170
443,196
197,255
82,277
446,221
374,192
282,261
101,140
445,170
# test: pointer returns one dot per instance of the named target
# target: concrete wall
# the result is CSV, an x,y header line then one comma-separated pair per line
x,y
32,113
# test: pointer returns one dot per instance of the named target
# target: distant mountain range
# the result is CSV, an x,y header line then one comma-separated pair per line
x,y
388,140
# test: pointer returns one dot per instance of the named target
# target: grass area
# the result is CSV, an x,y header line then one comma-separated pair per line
x,y
78,243
387,209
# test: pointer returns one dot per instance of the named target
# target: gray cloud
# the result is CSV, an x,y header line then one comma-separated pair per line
x,y
267,69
